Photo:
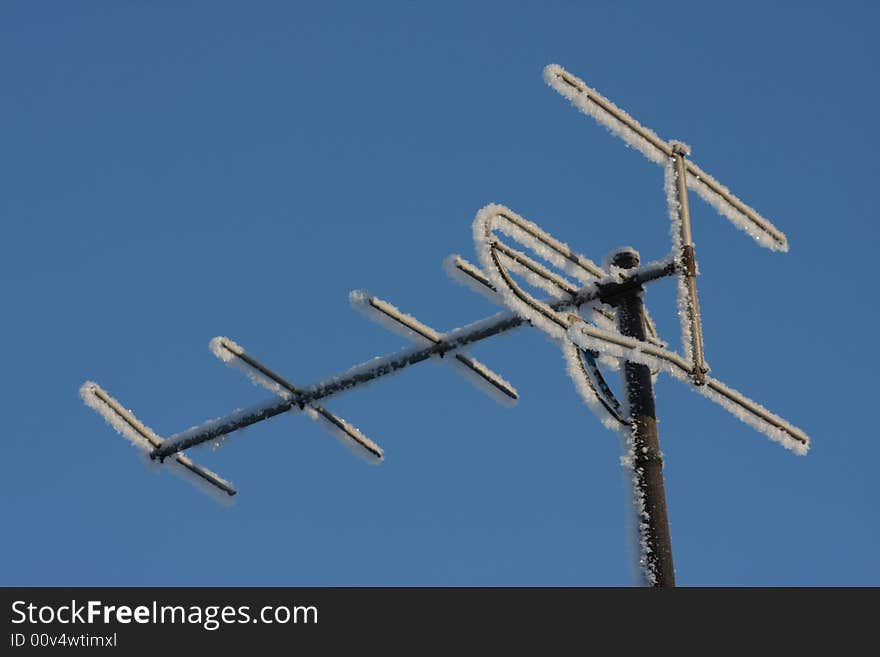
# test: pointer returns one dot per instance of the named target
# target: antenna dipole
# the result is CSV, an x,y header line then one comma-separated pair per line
x,y
688,264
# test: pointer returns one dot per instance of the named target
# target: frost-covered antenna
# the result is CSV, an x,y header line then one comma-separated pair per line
x,y
605,320
681,174
595,313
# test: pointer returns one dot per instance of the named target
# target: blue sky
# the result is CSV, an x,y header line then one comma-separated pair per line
x,y
176,171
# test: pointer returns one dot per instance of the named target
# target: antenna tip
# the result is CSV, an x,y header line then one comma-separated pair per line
x,y
625,257
551,71
87,391
679,147
358,299
224,348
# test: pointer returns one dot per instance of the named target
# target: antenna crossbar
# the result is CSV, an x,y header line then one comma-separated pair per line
x,y
652,146
371,370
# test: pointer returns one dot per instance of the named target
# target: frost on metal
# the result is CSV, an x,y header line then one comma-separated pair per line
x,y
638,514
488,219
348,435
145,440
501,262
673,206
740,215
235,355
578,312
646,141
547,247
484,379
580,376
469,275
407,326
743,408
117,417
617,121
392,318
231,353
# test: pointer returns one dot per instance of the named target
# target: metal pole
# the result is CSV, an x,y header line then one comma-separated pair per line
x,y
647,460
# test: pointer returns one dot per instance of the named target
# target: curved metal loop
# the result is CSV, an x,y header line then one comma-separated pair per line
x,y
501,260
593,376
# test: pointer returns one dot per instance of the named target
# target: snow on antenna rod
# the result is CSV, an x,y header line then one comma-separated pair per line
x,y
596,315
594,104
587,337
681,174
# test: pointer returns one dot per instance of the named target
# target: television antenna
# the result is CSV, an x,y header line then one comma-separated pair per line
x,y
596,314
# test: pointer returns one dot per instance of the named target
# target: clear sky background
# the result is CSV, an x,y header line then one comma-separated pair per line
x,y
176,171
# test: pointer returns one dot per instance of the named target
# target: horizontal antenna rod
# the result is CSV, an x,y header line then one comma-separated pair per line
x,y
229,351
396,320
124,421
657,150
747,410
469,334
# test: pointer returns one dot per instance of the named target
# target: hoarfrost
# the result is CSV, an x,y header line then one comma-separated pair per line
x,y
547,247
556,287
231,353
145,439
756,226
347,434
392,318
118,417
180,467
618,122
483,241
481,377
579,376
234,354
464,273
638,518
743,408
670,181
395,320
